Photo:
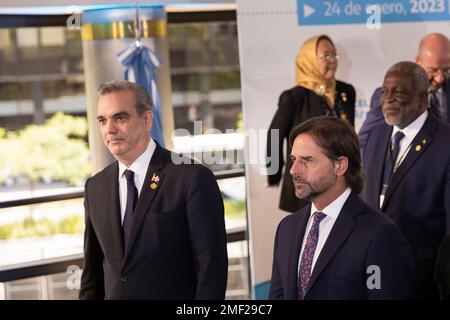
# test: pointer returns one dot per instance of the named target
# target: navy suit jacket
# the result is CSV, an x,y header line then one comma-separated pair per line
x,y
360,237
178,245
375,114
418,197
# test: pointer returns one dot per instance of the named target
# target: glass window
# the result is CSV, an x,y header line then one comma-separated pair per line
x,y
206,94
43,128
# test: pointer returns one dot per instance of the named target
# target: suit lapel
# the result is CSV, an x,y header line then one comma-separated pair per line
x,y
339,233
378,163
112,210
418,147
294,252
152,184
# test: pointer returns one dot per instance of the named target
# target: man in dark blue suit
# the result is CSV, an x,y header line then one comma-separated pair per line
x,y
337,247
155,224
407,161
434,57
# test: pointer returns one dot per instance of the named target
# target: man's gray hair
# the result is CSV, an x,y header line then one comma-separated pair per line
x,y
143,101
418,74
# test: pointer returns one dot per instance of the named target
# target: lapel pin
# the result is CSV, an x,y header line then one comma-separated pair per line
x,y
343,116
154,180
424,141
418,148
344,96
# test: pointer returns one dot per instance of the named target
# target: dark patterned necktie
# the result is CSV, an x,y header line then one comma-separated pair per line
x,y
434,105
304,273
132,195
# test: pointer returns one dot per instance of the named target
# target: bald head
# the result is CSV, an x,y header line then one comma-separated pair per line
x,y
434,44
434,57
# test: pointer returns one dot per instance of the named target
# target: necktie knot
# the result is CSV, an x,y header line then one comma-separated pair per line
x,y
398,136
129,175
318,217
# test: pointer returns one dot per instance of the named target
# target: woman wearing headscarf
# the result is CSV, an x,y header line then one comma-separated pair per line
x,y
317,93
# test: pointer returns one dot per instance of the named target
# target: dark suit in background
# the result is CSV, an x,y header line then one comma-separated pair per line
x,y
295,106
361,237
418,197
178,243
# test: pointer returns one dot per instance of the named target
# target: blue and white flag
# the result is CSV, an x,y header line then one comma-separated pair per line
x,y
140,67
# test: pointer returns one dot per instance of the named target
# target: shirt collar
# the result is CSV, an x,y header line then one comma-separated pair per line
x,y
140,165
413,128
438,91
334,208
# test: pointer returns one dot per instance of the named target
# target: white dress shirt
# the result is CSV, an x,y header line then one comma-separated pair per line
x,y
332,211
139,167
410,133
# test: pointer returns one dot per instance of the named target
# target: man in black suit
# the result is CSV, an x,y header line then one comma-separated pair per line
x,y
434,57
154,226
407,161
337,247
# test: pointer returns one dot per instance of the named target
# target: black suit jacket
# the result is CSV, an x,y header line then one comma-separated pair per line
x,y
418,197
295,106
361,237
178,244
375,114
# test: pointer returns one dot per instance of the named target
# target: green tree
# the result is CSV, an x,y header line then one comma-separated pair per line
x,y
55,150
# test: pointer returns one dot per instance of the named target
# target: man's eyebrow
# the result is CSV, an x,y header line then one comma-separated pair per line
x,y
118,114
303,158
124,113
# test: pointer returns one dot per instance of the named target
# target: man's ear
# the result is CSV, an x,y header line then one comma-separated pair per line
x,y
341,166
148,117
418,60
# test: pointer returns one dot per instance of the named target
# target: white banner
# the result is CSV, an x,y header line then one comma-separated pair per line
x,y
270,35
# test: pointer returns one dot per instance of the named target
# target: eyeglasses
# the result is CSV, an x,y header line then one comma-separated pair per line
x,y
329,56
435,71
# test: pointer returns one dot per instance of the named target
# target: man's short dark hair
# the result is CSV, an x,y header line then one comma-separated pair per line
x,y
337,138
143,101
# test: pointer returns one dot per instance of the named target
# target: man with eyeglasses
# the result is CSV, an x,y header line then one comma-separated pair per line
x,y
434,57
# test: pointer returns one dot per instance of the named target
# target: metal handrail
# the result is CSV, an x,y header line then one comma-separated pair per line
x,y
43,199
58,265
220,175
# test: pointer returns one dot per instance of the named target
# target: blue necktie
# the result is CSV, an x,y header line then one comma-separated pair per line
x,y
391,159
132,195
304,273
